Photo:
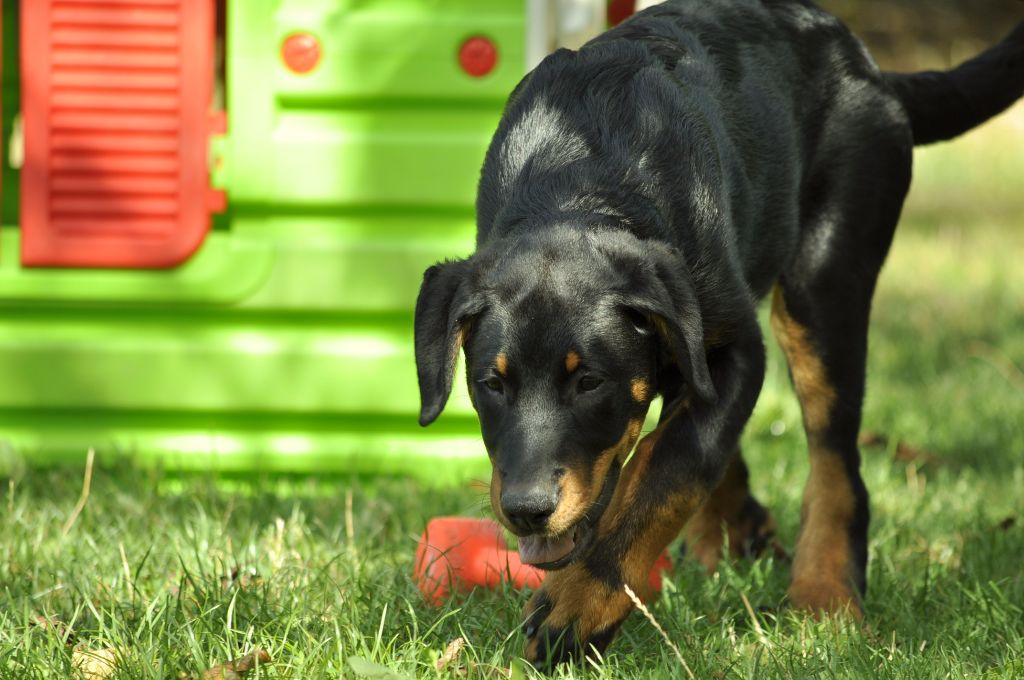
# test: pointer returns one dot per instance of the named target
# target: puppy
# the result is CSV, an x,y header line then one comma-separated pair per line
x,y
639,197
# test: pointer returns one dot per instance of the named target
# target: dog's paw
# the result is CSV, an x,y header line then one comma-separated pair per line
x,y
825,597
570,615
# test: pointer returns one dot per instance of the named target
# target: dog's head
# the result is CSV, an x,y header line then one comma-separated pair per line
x,y
566,336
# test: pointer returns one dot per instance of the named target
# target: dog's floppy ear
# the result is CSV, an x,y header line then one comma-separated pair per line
x,y
663,293
444,309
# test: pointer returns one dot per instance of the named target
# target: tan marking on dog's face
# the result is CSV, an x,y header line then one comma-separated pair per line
x,y
572,361
573,494
636,425
501,364
633,472
616,453
639,389
810,379
496,499
823,564
578,490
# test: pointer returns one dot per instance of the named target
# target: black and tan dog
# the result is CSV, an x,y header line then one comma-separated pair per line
x,y
638,199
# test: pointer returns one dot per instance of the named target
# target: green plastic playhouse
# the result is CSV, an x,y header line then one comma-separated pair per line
x,y
235,291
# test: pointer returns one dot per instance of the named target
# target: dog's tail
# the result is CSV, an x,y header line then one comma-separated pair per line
x,y
944,104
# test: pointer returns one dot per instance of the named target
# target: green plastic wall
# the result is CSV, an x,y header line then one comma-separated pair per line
x,y
286,342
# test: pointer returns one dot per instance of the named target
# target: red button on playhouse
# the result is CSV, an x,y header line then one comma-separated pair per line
x,y
478,56
301,52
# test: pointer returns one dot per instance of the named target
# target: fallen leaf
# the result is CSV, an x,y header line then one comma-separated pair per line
x,y
451,654
241,578
96,664
871,439
908,454
52,623
903,451
234,670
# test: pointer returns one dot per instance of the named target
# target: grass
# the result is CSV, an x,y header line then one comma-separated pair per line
x,y
179,574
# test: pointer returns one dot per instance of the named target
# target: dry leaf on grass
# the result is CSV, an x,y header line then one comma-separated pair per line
x,y
872,439
909,454
241,578
96,664
903,451
52,623
451,661
451,654
234,670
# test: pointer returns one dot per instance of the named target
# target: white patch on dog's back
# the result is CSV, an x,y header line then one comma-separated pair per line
x,y
808,19
541,129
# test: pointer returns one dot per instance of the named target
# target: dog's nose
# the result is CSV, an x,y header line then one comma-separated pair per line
x,y
528,510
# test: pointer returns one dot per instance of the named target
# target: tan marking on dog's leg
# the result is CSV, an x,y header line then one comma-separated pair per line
x,y
816,393
658,532
723,516
822,578
706,530
823,564
579,600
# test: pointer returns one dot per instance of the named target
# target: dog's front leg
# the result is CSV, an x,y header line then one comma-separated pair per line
x,y
674,469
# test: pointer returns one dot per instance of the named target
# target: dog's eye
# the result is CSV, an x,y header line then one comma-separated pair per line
x,y
494,384
588,383
641,323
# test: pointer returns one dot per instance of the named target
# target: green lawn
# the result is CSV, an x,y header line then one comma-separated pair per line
x,y
181,574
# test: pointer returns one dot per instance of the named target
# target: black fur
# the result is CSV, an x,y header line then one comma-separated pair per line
x,y
640,196
944,104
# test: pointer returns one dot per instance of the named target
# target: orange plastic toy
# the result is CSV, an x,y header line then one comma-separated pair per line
x,y
457,554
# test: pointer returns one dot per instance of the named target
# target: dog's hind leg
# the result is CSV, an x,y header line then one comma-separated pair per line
x,y
820,316
732,515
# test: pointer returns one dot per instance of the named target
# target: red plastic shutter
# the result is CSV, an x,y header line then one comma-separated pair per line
x,y
116,101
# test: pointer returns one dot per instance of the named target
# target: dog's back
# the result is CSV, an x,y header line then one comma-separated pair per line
x,y
743,91
764,95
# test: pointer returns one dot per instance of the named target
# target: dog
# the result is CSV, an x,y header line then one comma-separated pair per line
x,y
639,197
